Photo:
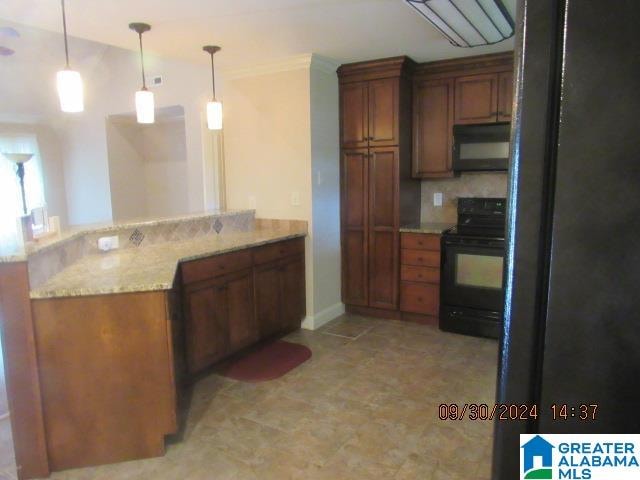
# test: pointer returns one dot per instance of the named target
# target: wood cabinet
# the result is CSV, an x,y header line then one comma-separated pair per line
x,y
484,98
355,221
280,295
220,318
233,300
375,179
505,96
462,91
433,128
369,113
420,274
476,99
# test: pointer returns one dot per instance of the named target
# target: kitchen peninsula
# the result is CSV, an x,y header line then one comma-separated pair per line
x,y
177,296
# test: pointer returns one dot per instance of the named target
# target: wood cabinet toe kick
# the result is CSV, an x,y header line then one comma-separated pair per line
x,y
97,379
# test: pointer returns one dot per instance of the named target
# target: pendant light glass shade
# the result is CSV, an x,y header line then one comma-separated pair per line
x,y
145,106
214,108
69,82
214,115
70,91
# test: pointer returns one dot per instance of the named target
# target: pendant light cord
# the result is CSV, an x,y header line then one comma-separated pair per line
x,y
64,27
213,79
144,82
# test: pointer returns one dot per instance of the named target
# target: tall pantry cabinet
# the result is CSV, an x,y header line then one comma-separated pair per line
x,y
377,191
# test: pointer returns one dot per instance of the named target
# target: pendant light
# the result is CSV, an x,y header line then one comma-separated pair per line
x,y
145,108
214,108
69,82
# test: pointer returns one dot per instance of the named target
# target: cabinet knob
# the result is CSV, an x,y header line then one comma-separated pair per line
x,y
420,299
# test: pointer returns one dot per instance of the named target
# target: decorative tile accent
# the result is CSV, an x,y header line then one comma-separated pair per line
x,y
136,237
217,225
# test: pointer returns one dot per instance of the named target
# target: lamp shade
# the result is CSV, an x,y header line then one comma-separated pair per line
x,y
214,115
70,91
145,107
18,157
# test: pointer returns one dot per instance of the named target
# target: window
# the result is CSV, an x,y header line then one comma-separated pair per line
x,y
10,197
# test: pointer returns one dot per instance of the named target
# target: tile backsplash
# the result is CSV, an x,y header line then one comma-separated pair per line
x,y
466,185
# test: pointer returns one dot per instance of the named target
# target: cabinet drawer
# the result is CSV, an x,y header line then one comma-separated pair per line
x,y
206,268
422,258
276,251
420,298
412,273
420,241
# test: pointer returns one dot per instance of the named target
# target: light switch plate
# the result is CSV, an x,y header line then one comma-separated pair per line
x,y
437,199
252,201
295,199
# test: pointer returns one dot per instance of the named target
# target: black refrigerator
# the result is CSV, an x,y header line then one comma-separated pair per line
x,y
572,278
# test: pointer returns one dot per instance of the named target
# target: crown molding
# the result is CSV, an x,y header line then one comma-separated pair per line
x,y
304,61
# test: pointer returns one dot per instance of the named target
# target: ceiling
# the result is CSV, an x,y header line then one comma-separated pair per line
x,y
251,31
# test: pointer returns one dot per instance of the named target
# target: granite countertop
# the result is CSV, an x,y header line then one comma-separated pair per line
x,y
150,268
15,251
427,227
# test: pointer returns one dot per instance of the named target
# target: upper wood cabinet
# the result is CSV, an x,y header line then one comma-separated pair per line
x,y
460,91
476,99
354,106
384,112
484,98
433,128
369,113
505,96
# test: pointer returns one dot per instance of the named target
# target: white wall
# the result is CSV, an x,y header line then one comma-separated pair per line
x,y
147,167
281,131
325,158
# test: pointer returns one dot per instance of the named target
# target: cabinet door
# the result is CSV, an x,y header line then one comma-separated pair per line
x,y
476,99
293,292
433,129
354,106
505,96
207,325
354,206
383,225
267,295
384,112
243,328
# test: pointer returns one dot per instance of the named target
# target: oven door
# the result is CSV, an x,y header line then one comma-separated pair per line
x,y
472,273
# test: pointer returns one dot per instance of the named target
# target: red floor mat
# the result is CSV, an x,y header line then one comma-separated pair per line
x,y
267,362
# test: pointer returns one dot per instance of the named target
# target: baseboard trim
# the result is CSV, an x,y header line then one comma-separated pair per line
x,y
313,322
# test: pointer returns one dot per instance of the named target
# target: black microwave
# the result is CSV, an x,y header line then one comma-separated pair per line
x,y
481,147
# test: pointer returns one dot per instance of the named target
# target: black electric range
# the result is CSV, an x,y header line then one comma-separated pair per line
x,y
472,290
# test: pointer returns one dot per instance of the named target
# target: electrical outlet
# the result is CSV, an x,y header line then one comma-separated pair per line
x,y
108,243
295,199
252,201
437,199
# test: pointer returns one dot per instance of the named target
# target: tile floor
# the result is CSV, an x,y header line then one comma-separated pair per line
x,y
365,406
